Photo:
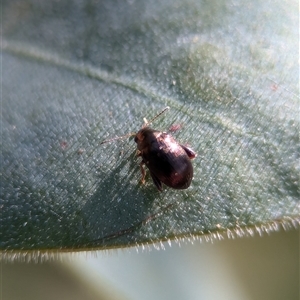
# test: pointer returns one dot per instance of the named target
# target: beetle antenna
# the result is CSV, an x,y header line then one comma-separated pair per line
x,y
118,138
147,123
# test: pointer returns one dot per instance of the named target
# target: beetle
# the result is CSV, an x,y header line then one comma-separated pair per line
x,y
168,161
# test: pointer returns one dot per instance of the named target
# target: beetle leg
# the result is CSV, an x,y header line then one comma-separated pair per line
x,y
190,153
143,172
156,181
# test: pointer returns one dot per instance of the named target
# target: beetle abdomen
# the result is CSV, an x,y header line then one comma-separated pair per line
x,y
173,168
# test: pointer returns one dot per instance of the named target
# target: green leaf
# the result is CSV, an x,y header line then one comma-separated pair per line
x,y
75,73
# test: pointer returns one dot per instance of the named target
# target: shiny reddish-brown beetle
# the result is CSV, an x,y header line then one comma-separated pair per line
x,y
168,161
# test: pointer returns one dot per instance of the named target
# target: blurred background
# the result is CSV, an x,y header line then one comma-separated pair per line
x,y
257,268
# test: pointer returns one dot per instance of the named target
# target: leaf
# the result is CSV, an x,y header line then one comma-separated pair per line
x,y
78,72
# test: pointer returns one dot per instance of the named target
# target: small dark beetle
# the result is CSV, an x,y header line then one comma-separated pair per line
x,y
168,161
